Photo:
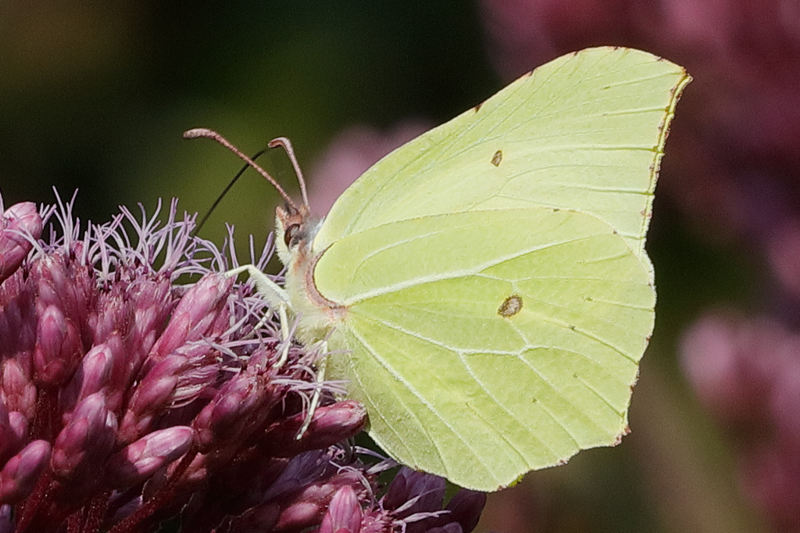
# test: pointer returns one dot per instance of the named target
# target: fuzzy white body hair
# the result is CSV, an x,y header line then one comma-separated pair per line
x,y
315,317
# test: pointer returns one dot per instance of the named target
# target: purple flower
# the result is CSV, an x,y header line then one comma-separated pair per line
x,y
138,385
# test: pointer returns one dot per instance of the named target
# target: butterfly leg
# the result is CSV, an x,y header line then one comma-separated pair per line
x,y
286,340
312,406
276,297
274,294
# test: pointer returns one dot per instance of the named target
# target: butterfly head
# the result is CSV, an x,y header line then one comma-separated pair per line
x,y
294,230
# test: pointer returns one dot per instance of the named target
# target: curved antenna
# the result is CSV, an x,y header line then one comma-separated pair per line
x,y
213,135
225,191
286,144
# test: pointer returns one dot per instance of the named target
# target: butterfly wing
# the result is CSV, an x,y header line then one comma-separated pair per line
x,y
485,344
583,132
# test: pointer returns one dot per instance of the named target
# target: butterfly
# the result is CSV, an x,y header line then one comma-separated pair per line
x,y
484,289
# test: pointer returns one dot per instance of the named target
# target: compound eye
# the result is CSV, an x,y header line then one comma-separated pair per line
x,y
291,235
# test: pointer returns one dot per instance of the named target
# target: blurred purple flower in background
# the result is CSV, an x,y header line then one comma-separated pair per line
x,y
139,385
351,153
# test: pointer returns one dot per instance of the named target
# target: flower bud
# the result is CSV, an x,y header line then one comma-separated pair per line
x,y
176,379
92,376
344,513
19,425
120,372
139,460
196,311
66,284
22,218
17,319
329,424
317,482
152,305
21,471
111,315
307,508
58,348
242,403
18,391
85,441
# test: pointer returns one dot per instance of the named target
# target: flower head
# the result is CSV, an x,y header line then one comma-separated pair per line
x,y
139,383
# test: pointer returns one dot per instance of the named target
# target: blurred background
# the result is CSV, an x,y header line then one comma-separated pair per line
x,y
95,98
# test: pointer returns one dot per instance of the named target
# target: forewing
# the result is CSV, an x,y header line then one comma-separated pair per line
x,y
584,132
489,343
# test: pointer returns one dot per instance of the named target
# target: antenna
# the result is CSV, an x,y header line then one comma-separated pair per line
x,y
213,135
225,191
286,144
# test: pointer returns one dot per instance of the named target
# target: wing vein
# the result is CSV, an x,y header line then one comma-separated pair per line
x,y
519,355
389,368
454,274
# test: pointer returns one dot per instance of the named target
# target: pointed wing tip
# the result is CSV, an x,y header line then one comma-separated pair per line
x,y
628,51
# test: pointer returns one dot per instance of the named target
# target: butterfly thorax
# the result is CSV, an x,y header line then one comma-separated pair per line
x,y
316,315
